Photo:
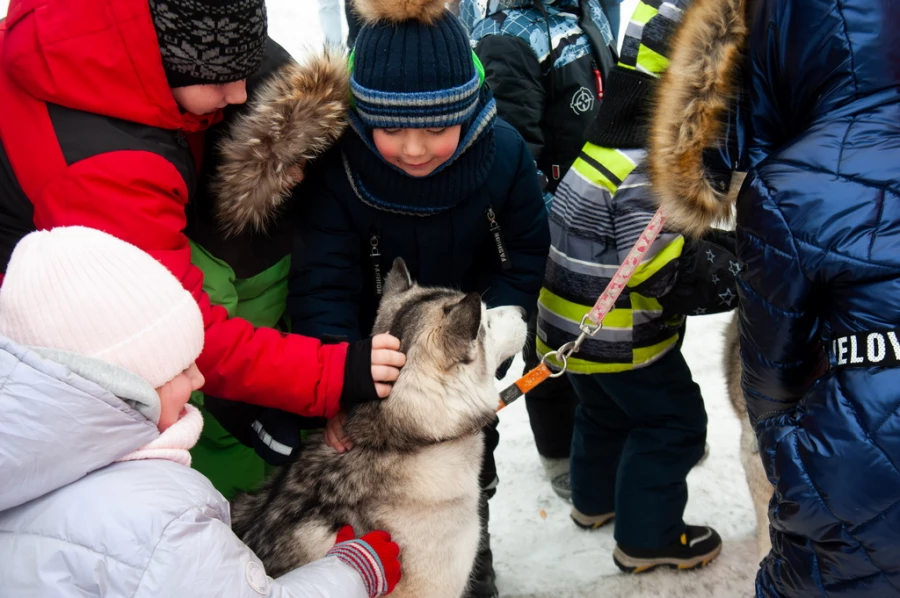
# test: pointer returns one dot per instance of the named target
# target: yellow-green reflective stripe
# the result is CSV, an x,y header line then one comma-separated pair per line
x,y
641,303
583,366
617,318
612,159
645,354
647,269
651,61
640,356
643,13
594,176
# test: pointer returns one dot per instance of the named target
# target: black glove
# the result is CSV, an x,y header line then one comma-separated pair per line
x,y
358,384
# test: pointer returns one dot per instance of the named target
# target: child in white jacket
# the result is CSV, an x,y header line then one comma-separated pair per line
x,y
97,348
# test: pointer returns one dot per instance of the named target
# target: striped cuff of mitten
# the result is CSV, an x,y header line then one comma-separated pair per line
x,y
359,555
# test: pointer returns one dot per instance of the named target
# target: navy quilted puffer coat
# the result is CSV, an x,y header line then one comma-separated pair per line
x,y
818,226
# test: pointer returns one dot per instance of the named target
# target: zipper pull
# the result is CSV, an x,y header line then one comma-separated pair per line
x,y
494,228
598,79
375,260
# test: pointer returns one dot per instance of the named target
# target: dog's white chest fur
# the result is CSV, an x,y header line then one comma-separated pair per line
x,y
433,515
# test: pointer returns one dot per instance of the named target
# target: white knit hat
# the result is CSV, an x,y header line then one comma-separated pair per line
x,y
81,290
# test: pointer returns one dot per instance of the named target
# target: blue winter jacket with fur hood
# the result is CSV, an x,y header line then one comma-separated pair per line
x,y
818,229
74,523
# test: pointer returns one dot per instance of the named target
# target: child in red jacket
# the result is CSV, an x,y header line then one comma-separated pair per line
x,y
113,99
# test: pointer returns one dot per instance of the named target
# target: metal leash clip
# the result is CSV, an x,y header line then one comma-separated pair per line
x,y
563,353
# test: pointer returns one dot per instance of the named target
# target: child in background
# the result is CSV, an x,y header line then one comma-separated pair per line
x,y
427,173
546,63
641,425
97,348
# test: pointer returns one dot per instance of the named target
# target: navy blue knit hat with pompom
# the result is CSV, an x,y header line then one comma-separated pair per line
x,y
412,66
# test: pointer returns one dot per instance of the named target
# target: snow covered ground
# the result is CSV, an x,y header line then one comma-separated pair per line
x,y
538,552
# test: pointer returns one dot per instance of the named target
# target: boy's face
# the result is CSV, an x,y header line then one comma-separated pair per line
x,y
417,152
174,394
203,99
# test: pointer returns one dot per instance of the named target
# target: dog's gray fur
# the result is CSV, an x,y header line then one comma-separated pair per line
x,y
760,487
413,470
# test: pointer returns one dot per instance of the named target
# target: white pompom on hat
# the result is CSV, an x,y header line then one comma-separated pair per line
x,y
81,290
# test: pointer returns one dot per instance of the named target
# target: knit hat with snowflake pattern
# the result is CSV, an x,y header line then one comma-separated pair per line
x,y
209,41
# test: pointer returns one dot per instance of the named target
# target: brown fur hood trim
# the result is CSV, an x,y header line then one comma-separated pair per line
x,y
693,98
299,113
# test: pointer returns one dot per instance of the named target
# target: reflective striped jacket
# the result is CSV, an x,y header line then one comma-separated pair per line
x,y
601,207
600,210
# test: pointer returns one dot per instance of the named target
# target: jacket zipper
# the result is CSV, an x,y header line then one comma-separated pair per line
x,y
598,79
375,261
499,245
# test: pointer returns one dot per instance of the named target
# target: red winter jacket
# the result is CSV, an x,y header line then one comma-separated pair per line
x,y
91,135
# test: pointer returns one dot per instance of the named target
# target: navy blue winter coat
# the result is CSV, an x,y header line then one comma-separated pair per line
x,y
818,228
333,280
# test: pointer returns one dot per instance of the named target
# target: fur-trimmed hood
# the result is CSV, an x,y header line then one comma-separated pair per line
x,y
297,114
693,99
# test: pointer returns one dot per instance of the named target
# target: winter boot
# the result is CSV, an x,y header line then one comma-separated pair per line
x,y
696,547
590,521
482,582
562,486
557,471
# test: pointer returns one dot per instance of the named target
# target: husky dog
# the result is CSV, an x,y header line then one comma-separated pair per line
x,y
760,487
413,469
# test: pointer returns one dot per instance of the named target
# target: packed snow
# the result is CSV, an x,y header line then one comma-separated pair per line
x,y
538,552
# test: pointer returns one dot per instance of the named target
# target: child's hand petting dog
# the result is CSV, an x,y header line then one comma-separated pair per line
x,y
384,360
386,363
335,437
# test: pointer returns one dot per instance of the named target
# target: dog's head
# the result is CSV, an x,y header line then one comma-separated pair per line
x,y
453,347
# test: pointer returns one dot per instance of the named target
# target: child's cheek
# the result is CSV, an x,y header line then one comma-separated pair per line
x,y
446,149
387,149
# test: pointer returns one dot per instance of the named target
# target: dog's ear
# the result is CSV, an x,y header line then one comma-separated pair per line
x,y
398,279
462,324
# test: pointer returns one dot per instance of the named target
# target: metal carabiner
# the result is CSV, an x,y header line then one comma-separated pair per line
x,y
562,354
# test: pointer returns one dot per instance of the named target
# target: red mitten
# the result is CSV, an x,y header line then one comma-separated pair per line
x,y
388,552
374,557
345,534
